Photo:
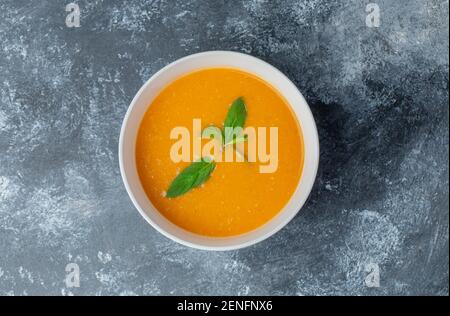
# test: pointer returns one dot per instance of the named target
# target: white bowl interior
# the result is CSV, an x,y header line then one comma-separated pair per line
x,y
152,88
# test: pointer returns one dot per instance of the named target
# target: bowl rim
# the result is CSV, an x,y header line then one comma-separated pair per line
x,y
309,185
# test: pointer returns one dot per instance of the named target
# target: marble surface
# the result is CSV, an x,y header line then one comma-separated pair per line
x,y
379,96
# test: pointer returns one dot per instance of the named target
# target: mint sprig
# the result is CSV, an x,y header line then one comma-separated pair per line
x,y
235,119
199,171
236,116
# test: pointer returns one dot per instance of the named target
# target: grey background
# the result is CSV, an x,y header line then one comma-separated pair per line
x,y
379,95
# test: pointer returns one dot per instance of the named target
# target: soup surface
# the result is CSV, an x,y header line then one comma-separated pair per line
x,y
237,198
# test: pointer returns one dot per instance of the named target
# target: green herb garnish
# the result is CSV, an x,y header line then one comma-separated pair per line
x,y
191,177
199,171
235,119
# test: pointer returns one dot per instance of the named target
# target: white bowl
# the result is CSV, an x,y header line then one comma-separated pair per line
x,y
152,88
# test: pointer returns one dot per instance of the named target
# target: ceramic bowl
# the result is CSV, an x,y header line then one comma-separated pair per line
x,y
152,88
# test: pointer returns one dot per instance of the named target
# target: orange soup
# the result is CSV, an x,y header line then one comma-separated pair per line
x,y
237,197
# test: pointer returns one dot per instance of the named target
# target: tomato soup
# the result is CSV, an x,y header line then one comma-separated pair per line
x,y
237,197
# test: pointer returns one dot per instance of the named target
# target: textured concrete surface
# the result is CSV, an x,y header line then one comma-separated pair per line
x,y
379,95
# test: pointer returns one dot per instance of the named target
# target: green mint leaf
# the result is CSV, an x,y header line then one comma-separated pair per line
x,y
236,116
191,177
